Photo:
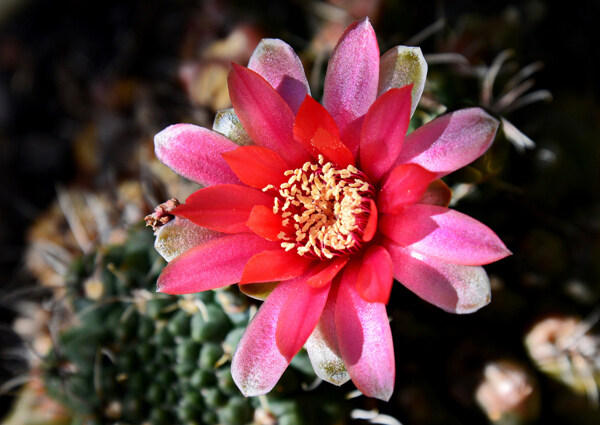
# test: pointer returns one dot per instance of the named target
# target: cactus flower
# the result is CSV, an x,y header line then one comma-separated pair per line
x,y
320,206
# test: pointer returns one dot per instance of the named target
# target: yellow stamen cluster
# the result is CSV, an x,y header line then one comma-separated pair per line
x,y
322,208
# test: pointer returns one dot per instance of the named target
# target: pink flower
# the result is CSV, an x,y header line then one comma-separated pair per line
x,y
330,201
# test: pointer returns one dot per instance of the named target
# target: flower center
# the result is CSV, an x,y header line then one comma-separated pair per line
x,y
324,209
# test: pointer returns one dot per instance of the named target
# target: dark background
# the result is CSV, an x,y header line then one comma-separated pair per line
x,y
55,55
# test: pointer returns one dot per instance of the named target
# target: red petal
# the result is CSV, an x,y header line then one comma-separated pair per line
x,y
257,166
309,118
383,131
317,132
274,265
332,148
376,275
371,227
325,272
216,263
224,208
264,223
299,316
404,186
264,114
437,193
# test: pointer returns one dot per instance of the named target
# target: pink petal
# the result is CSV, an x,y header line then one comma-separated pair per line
x,y
195,153
299,316
179,235
445,234
405,185
215,264
450,141
451,287
376,275
274,265
383,132
257,166
365,339
224,208
351,80
258,363
277,62
322,346
264,114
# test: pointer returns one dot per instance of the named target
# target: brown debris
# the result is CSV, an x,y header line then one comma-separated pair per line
x,y
161,214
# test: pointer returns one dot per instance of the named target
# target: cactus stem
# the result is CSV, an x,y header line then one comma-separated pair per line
x,y
98,373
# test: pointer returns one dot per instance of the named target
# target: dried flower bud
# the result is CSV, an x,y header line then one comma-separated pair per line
x,y
564,348
161,214
507,393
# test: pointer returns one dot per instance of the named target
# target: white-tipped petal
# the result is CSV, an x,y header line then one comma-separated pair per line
x,y
322,348
179,235
327,365
228,124
400,66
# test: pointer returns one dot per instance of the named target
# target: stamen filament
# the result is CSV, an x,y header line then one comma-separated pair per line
x,y
323,207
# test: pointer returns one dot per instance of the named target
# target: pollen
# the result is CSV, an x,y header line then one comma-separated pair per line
x,y
324,209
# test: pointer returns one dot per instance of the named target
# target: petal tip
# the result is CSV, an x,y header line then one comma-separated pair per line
x,y
248,390
500,252
365,25
384,394
475,306
160,287
468,306
234,71
504,252
162,138
485,117
381,392
364,21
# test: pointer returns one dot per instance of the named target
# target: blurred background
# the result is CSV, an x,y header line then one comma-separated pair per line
x,y
84,86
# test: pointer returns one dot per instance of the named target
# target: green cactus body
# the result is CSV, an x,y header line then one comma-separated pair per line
x,y
137,357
